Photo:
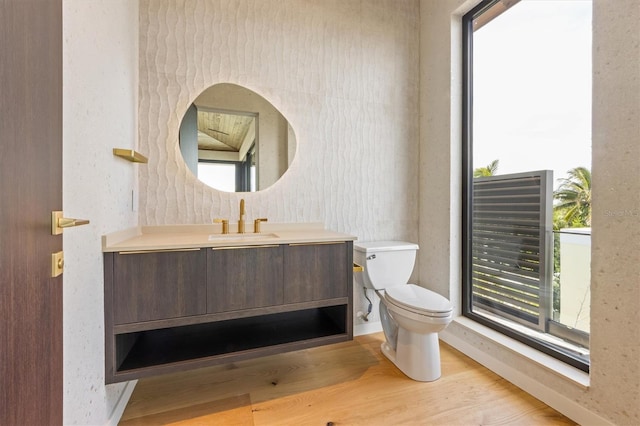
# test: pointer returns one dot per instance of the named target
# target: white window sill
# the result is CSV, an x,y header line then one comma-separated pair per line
x,y
547,362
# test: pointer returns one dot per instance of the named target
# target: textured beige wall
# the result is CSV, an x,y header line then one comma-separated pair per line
x,y
440,182
100,68
343,72
615,337
615,256
345,75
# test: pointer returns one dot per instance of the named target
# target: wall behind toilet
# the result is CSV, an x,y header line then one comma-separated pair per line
x,y
343,72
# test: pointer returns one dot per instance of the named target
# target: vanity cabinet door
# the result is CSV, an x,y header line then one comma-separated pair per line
x,y
244,278
158,285
317,271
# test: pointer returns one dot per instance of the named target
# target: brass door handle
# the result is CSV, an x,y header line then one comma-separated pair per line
x,y
58,223
65,222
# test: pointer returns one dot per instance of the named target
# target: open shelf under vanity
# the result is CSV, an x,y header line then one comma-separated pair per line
x,y
230,339
176,310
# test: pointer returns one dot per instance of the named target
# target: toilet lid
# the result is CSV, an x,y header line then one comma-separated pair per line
x,y
378,246
419,300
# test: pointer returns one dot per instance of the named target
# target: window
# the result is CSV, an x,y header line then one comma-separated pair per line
x,y
221,176
229,176
526,172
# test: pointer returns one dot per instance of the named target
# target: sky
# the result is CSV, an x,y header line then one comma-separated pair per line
x,y
532,88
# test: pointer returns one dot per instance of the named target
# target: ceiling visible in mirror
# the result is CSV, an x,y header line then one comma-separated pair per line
x,y
219,131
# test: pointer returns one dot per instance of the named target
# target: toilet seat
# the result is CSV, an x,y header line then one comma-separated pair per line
x,y
419,300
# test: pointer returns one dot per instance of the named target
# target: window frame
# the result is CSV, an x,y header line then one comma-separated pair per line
x,y
467,196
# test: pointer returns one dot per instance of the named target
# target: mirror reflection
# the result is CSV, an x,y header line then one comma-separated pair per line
x,y
234,140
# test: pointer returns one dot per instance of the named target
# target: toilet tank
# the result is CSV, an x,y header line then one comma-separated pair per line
x,y
386,263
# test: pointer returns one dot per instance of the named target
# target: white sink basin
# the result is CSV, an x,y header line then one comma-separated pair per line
x,y
241,237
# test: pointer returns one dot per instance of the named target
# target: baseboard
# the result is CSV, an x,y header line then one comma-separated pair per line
x,y
118,410
367,328
549,396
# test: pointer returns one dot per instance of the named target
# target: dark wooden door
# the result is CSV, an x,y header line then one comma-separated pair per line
x,y
244,278
158,285
30,188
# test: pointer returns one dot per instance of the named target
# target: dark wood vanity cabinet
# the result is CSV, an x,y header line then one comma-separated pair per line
x,y
254,281
168,311
158,285
314,271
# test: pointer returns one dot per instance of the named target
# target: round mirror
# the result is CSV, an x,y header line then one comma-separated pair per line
x,y
234,140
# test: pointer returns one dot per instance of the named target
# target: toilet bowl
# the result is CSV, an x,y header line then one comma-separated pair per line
x,y
411,315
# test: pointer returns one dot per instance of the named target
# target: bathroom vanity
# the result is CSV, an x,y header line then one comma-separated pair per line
x,y
183,297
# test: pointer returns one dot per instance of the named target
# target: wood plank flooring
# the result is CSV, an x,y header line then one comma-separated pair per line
x,y
349,383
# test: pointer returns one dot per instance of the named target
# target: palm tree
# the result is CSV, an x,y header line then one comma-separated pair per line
x,y
489,170
573,197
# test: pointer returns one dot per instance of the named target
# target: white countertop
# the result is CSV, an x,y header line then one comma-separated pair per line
x,y
176,237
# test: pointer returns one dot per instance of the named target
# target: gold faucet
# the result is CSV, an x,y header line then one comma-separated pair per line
x,y
256,224
241,220
225,225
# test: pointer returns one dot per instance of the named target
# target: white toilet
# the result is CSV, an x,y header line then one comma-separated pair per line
x,y
411,315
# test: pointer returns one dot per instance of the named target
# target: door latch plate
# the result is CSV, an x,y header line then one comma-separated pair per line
x,y
57,264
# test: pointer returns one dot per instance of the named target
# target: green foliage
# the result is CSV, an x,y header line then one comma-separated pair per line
x,y
489,170
573,199
572,209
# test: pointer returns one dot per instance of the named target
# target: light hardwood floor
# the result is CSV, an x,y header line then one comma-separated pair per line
x,y
349,383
